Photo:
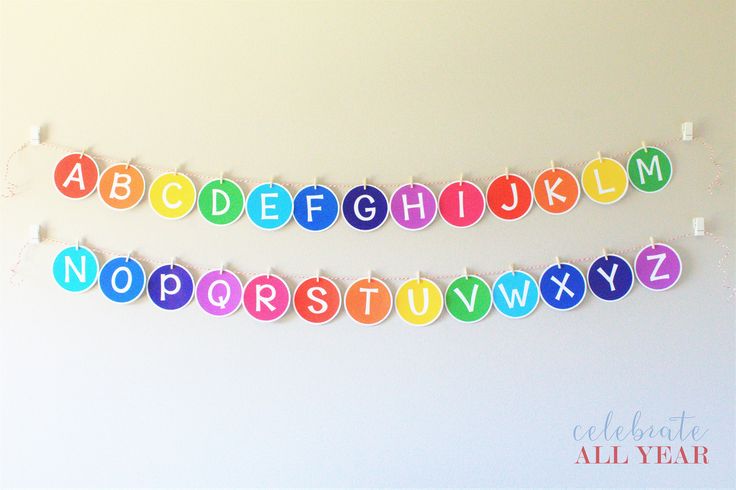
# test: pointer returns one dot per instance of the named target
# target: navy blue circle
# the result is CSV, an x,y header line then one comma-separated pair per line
x,y
618,271
562,287
323,211
125,275
365,208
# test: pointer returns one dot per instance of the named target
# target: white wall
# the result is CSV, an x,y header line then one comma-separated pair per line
x,y
94,394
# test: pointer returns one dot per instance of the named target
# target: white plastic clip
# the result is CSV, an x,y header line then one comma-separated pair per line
x,y
644,146
512,269
34,234
221,175
605,253
651,242
76,244
127,164
552,165
173,260
270,182
411,181
318,275
314,183
559,264
268,273
506,172
176,170
461,178
600,158
81,154
698,226
35,135
687,131
419,277
370,275
127,257
222,267
365,180
465,270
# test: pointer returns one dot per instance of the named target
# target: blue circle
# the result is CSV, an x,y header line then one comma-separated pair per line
x,y
269,206
365,208
171,287
316,208
122,280
75,269
515,294
610,277
562,287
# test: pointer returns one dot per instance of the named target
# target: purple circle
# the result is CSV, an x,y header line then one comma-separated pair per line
x,y
171,287
658,268
413,206
219,292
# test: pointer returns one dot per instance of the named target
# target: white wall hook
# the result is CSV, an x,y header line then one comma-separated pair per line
x,y
34,234
698,226
35,135
687,131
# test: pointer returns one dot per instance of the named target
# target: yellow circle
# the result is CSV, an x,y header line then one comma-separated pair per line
x,y
419,302
172,195
604,180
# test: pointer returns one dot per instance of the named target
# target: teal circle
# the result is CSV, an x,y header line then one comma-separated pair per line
x,y
509,295
649,169
75,269
269,206
468,299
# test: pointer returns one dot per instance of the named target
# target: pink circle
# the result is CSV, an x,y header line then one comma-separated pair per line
x,y
266,298
462,204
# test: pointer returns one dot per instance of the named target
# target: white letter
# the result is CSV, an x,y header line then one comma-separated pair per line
x,y
221,211
511,302
220,302
660,259
563,286
69,264
551,194
165,193
116,184
265,206
128,283
310,295
75,176
311,208
649,170
516,199
461,203
425,302
164,291
609,279
371,210
470,305
368,292
265,300
601,190
408,206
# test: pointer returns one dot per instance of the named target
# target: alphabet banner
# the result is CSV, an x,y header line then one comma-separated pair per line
x,y
413,206
368,301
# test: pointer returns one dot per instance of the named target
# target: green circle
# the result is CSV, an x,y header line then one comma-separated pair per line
x,y
221,202
649,169
468,299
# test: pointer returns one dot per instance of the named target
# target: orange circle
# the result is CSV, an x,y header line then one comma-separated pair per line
x,y
121,187
368,301
556,190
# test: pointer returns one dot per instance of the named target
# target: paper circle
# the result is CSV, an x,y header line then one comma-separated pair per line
x,y
317,300
171,287
368,301
610,277
461,204
468,299
172,195
413,206
269,206
658,268
419,302
604,180
509,197
650,169
219,292
365,208
75,176
316,208
562,286
515,294
221,202
121,188
556,190
75,269
266,298
122,280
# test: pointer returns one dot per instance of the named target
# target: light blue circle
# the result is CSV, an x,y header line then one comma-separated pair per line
x,y
75,269
124,274
316,208
269,206
562,286
509,296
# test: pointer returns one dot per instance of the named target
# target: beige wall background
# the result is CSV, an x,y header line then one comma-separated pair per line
x,y
99,395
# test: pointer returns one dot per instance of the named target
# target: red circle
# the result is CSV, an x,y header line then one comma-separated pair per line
x,y
462,204
75,176
317,300
509,197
